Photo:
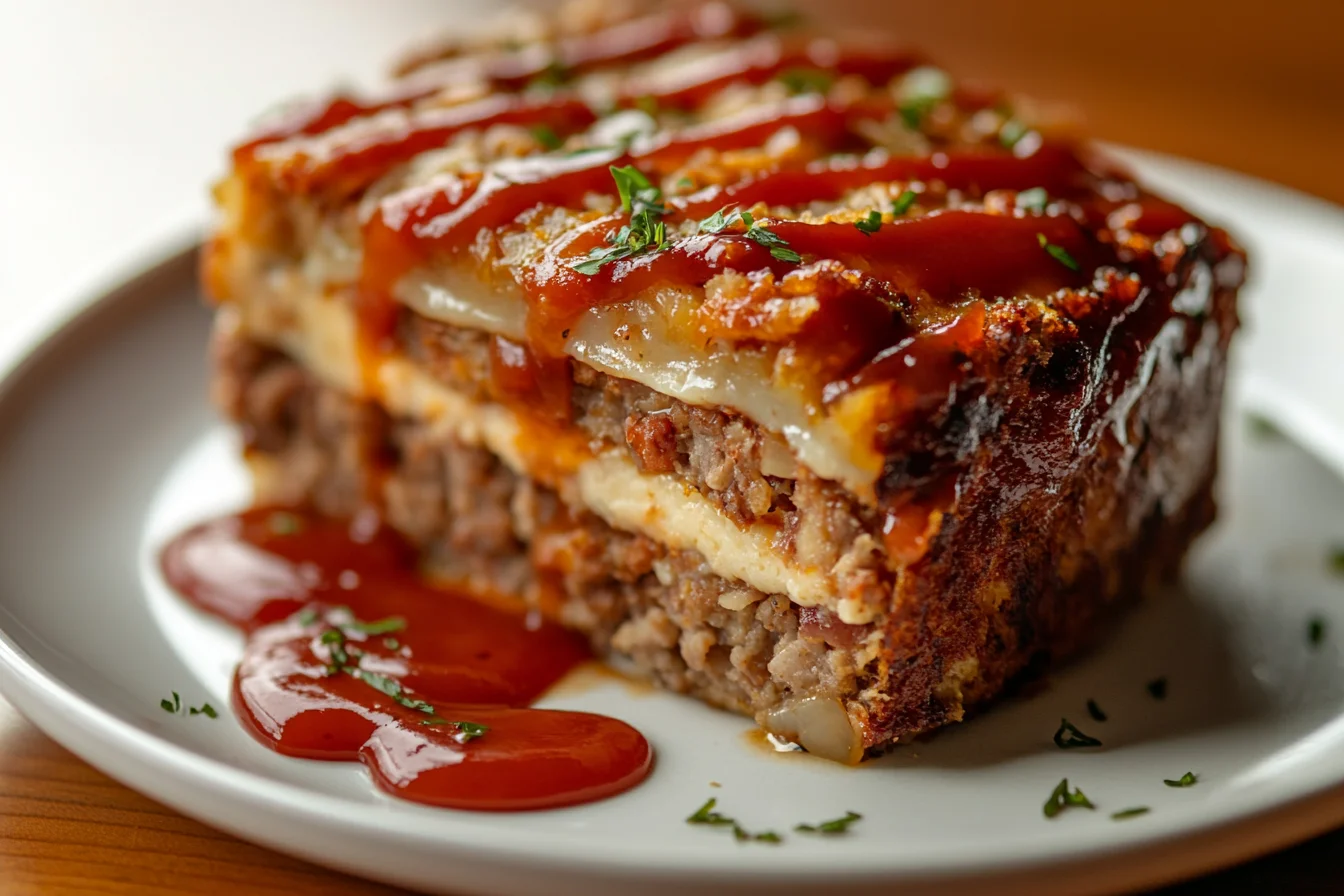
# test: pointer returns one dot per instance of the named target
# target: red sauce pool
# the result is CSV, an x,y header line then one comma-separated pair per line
x,y
351,655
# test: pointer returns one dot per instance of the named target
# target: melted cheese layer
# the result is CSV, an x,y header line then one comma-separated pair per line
x,y
319,332
647,352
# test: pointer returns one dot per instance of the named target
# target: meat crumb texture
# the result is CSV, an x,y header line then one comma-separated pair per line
x,y
797,376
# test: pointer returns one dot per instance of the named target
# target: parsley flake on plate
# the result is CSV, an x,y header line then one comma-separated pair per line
x,y
1062,798
1068,737
707,816
1189,779
175,707
834,826
1316,630
1133,812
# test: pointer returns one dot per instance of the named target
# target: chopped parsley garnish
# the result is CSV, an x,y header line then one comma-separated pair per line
x,y
1011,133
546,136
717,221
465,730
707,816
334,638
1095,711
834,826
1134,812
1033,200
1315,630
1157,688
1061,798
648,105
645,232
1262,427
778,247
903,202
742,834
871,224
921,91
1189,779
306,617
175,707
389,686
378,626
284,523
685,183
1069,737
344,660
1058,253
634,188
552,76
806,80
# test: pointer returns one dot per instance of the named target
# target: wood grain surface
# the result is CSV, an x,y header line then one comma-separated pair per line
x,y
1241,85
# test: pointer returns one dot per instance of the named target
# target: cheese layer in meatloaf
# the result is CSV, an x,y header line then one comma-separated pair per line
x,y
795,375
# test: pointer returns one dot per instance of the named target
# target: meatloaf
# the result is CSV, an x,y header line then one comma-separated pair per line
x,y
797,376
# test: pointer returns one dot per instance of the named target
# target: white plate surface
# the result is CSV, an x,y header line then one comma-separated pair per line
x,y
109,447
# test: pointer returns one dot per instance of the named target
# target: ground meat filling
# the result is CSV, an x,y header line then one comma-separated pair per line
x,y
659,613
721,454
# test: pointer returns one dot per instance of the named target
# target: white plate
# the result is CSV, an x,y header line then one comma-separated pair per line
x,y
110,446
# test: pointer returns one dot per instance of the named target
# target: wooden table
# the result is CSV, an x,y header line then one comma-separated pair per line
x,y
1257,97
67,829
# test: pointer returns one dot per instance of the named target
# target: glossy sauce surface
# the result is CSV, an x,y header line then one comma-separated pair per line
x,y
1102,257
351,655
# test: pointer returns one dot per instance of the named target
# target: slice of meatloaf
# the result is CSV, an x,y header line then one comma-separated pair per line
x,y
795,375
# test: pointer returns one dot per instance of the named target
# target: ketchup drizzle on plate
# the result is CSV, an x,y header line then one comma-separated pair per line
x,y
351,655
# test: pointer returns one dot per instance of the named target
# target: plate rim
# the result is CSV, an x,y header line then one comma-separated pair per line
x,y
1260,824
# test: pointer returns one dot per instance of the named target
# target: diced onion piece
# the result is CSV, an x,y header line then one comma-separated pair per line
x,y
821,725
739,598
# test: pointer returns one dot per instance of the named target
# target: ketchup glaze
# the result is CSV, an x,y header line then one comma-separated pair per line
x,y
351,655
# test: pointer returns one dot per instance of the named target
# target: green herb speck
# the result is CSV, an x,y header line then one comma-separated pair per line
x,y
1058,253
902,203
1068,737
806,80
546,136
871,224
284,523
1189,779
1316,629
1062,798
834,826
1134,812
